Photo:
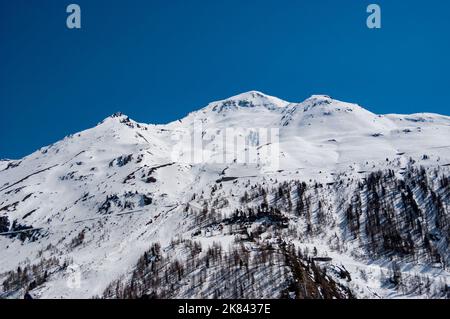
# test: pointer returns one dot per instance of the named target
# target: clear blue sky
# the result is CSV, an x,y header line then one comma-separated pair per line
x,y
157,60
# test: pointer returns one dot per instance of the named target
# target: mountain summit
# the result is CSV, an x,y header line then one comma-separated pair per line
x,y
252,99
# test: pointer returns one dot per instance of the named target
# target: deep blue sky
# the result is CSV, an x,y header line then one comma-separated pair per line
x,y
157,60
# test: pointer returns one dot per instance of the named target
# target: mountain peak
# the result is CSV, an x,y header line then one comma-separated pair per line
x,y
250,99
118,117
118,114
319,97
325,101
250,95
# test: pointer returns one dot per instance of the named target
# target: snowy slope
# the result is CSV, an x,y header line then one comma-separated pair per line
x,y
99,198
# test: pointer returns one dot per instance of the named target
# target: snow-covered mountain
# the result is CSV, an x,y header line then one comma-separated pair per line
x,y
320,199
